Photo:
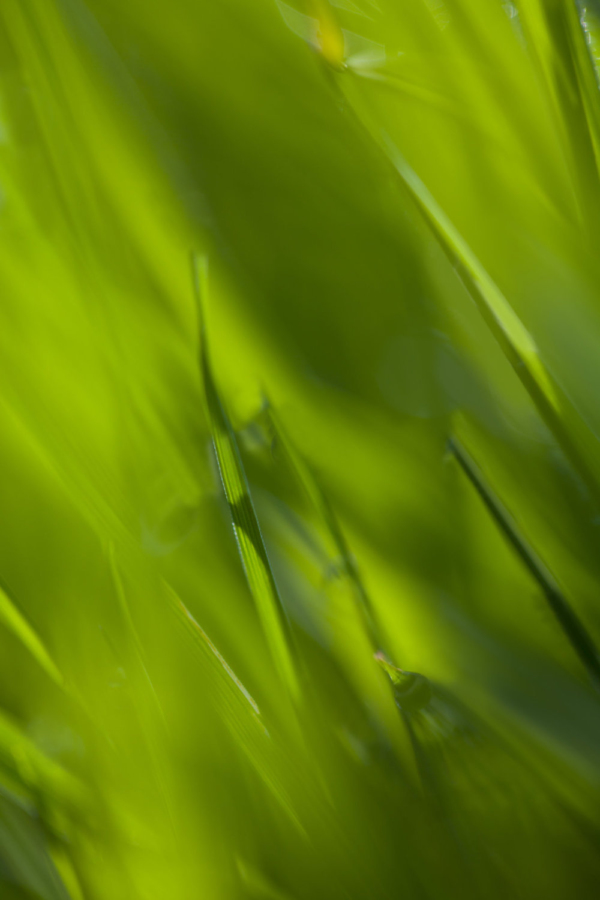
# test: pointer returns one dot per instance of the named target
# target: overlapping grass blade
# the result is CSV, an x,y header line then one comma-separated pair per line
x,y
395,677
554,36
246,528
585,72
515,340
569,621
320,502
519,346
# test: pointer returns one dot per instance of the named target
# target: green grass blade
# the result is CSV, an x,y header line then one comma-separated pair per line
x,y
206,646
147,711
551,33
569,621
308,481
246,527
38,773
131,627
28,867
585,72
331,524
517,343
16,622
238,708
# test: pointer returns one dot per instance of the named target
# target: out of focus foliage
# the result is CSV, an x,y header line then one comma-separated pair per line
x,y
382,370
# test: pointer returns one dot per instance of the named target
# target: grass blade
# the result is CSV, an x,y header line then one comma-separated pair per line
x,y
145,719
307,479
40,775
585,72
246,527
514,339
395,677
572,626
554,35
28,867
238,708
16,622
206,646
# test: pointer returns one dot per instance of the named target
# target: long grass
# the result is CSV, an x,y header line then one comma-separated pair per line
x,y
340,643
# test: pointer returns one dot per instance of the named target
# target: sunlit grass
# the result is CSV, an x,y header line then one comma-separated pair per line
x,y
299,548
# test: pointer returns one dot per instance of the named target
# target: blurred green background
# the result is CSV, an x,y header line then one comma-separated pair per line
x,y
399,206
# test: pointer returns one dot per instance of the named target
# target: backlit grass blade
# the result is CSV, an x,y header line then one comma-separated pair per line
x,y
16,622
321,504
513,337
13,619
569,621
206,646
517,343
246,528
551,32
396,677
587,77
238,708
